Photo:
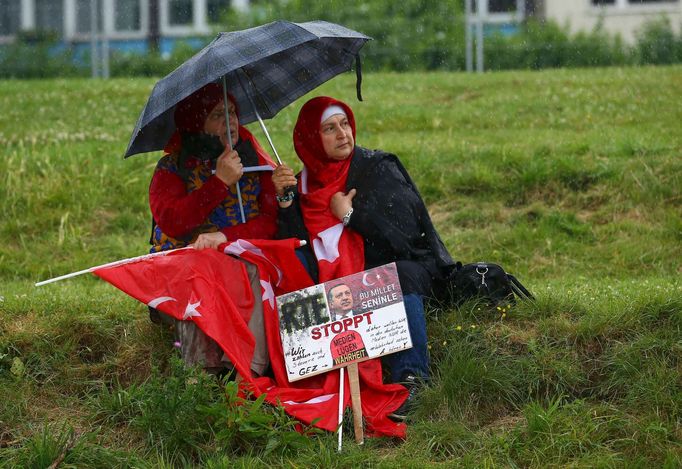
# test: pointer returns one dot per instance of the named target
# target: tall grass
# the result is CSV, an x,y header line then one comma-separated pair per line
x,y
570,179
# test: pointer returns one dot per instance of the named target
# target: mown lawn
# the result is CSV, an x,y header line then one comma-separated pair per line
x,y
571,179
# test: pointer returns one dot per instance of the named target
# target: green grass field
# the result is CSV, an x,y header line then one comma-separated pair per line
x,y
571,179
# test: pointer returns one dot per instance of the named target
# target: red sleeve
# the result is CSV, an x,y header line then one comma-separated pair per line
x,y
264,226
178,212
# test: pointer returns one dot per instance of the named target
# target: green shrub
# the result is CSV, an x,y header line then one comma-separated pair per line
x,y
597,48
36,54
152,64
540,45
657,44
408,35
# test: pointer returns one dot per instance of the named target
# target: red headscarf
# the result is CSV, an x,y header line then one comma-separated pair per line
x,y
339,250
191,113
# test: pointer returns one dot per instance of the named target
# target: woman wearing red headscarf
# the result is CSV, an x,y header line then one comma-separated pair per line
x,y
193,199
193,194
360,209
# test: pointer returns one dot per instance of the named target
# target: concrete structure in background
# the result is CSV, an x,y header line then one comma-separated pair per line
x,y
618,17
623,17
127,24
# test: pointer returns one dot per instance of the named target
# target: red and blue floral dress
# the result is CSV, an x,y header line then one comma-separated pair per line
x,y
191,201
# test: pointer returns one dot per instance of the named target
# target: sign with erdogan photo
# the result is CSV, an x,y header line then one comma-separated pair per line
x,y
347,320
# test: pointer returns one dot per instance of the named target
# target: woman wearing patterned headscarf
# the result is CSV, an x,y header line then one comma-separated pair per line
x,y
193,194
193,199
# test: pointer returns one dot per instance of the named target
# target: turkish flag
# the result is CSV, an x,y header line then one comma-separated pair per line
x,y
315,399
201,286
213,290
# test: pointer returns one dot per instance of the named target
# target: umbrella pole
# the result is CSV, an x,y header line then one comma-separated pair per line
x,y
267,135
260,121
229,141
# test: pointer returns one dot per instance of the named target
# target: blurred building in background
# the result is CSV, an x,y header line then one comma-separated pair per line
x,y
622,17
141,25
129,25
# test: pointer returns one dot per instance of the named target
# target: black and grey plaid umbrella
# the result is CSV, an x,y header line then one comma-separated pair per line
x,y
265,68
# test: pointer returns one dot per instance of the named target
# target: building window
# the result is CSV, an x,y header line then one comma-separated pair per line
x,y
10,17
215,9
180,12
499,11
501,6
603,2
127,15
83,16
49,15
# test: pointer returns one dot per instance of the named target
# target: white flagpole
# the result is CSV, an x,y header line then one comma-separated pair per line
x,y
110,264
341,375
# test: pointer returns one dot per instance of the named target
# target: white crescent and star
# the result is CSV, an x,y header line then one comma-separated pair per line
x,y
366,282
190,309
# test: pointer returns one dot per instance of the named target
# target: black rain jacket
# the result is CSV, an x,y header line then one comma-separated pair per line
x,y
388,212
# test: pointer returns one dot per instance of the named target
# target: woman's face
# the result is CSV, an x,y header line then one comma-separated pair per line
x,y
215,122
337,137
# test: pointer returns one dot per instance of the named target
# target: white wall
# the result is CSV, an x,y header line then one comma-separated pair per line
x,y
622,18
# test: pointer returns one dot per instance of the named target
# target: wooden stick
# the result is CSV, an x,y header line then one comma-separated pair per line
x,y
354,381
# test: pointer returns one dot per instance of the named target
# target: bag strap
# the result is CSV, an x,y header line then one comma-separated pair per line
x,y
518,288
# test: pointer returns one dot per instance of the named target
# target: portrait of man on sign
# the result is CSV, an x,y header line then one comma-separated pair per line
x,y
340,298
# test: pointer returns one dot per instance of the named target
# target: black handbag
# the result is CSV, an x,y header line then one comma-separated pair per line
x,y
486,281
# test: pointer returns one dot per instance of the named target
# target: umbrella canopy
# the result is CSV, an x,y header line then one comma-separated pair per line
x,y
275,64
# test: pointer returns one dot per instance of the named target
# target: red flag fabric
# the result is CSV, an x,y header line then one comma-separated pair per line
x,y
316,397
190,285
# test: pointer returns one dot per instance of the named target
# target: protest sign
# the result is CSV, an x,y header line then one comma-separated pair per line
x,y
343,321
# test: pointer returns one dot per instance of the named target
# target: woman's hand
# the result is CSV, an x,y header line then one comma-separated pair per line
x,y
209,240
341,203
229,168
282,178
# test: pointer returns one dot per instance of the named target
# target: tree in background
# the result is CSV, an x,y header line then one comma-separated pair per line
x,y
408,35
